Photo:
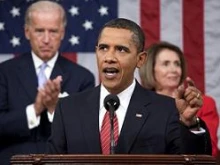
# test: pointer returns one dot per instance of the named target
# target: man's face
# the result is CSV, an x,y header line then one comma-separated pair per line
x,y
117,59
45,33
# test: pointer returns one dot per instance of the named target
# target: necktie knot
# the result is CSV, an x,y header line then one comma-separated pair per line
x,y
42,76
43,66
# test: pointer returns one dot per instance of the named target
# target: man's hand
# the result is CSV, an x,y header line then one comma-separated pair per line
x,y
188,102
38,105
51,92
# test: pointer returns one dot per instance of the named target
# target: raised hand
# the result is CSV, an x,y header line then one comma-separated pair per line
x,y
188,102
51,92
38,104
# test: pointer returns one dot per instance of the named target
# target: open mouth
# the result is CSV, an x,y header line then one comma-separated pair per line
x,y
110,72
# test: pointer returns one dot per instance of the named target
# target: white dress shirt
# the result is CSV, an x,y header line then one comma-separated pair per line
x,y
124,98
33,120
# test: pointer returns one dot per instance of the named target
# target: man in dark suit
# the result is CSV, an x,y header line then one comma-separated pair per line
x,y
27,106
147,123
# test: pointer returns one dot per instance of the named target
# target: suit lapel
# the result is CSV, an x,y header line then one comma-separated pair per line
x,y
136,116
90,121
27,75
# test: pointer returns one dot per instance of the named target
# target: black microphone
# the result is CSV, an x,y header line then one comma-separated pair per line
x,y
111,104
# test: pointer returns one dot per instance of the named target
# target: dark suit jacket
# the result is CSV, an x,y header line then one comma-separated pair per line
x,y
18,88
75,129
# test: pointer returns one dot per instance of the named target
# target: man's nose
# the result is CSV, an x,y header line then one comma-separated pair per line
x,y
110,57
46,37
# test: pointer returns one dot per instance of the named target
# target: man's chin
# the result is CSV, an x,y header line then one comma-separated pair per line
x,y
111,86
46,57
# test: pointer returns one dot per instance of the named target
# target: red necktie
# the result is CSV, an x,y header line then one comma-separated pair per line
x,y
105,133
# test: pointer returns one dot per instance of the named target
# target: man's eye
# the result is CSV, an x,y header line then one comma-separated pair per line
x,y
102,48
54,31
122,49
39,30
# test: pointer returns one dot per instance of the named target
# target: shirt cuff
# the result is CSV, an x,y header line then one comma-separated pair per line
x,y
200,131
32,118
50,116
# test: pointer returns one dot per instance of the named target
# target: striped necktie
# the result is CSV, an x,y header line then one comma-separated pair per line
x,y
105,133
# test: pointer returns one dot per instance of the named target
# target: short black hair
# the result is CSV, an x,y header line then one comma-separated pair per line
x,y
122,23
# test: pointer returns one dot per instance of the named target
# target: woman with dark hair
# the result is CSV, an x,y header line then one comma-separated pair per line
x,y
164,72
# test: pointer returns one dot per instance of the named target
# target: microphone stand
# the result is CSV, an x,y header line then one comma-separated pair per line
x,y
111,103
112,140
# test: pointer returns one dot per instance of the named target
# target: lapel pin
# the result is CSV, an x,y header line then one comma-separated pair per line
x,y
138,115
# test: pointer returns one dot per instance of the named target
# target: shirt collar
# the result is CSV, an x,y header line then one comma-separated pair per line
x,y
124,96
38,62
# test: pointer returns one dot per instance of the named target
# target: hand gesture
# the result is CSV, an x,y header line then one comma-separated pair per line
x,y
38,104
51,92
188,102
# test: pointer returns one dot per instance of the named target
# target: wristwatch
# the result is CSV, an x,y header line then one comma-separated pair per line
x,y
196,125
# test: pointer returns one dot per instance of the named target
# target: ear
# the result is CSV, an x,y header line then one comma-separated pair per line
x,y
141,59
27,32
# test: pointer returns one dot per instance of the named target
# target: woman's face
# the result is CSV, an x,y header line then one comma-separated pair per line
x,y
167,69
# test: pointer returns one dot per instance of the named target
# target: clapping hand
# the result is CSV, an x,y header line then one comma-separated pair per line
x,y
51,92
47,96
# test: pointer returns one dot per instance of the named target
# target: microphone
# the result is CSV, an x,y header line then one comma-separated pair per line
x,y
111,104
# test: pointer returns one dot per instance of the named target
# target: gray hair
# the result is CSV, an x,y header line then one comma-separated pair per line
x,y
44,6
